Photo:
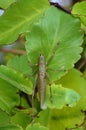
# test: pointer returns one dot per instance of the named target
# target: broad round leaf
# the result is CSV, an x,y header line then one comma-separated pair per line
x,y
58,37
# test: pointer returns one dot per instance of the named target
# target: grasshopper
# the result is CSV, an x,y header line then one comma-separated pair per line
x,y
41,81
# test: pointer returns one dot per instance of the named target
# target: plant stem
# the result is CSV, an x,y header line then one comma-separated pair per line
x,y
17,52
82,64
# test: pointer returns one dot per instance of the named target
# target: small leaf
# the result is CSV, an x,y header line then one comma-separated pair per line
x,y
10,127
79,10
58,37
61,97
16,79
20,63
6,3
36,126
8,96
19,17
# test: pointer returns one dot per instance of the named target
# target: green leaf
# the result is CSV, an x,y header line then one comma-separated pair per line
x,y
10,127
6,3
16,79
21,118
8,96
20,63
58,37
61,97
19,17
4,118
36,126
79,10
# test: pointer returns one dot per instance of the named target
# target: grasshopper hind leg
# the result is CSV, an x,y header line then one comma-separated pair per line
x,y
51,96
33,98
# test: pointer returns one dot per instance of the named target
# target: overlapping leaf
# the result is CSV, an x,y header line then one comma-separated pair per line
x,y
16,79
58,37
61,97
79,10
19,17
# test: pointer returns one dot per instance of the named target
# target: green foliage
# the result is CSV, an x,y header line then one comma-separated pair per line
x,y
67,117
58,37
75,81
6,3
